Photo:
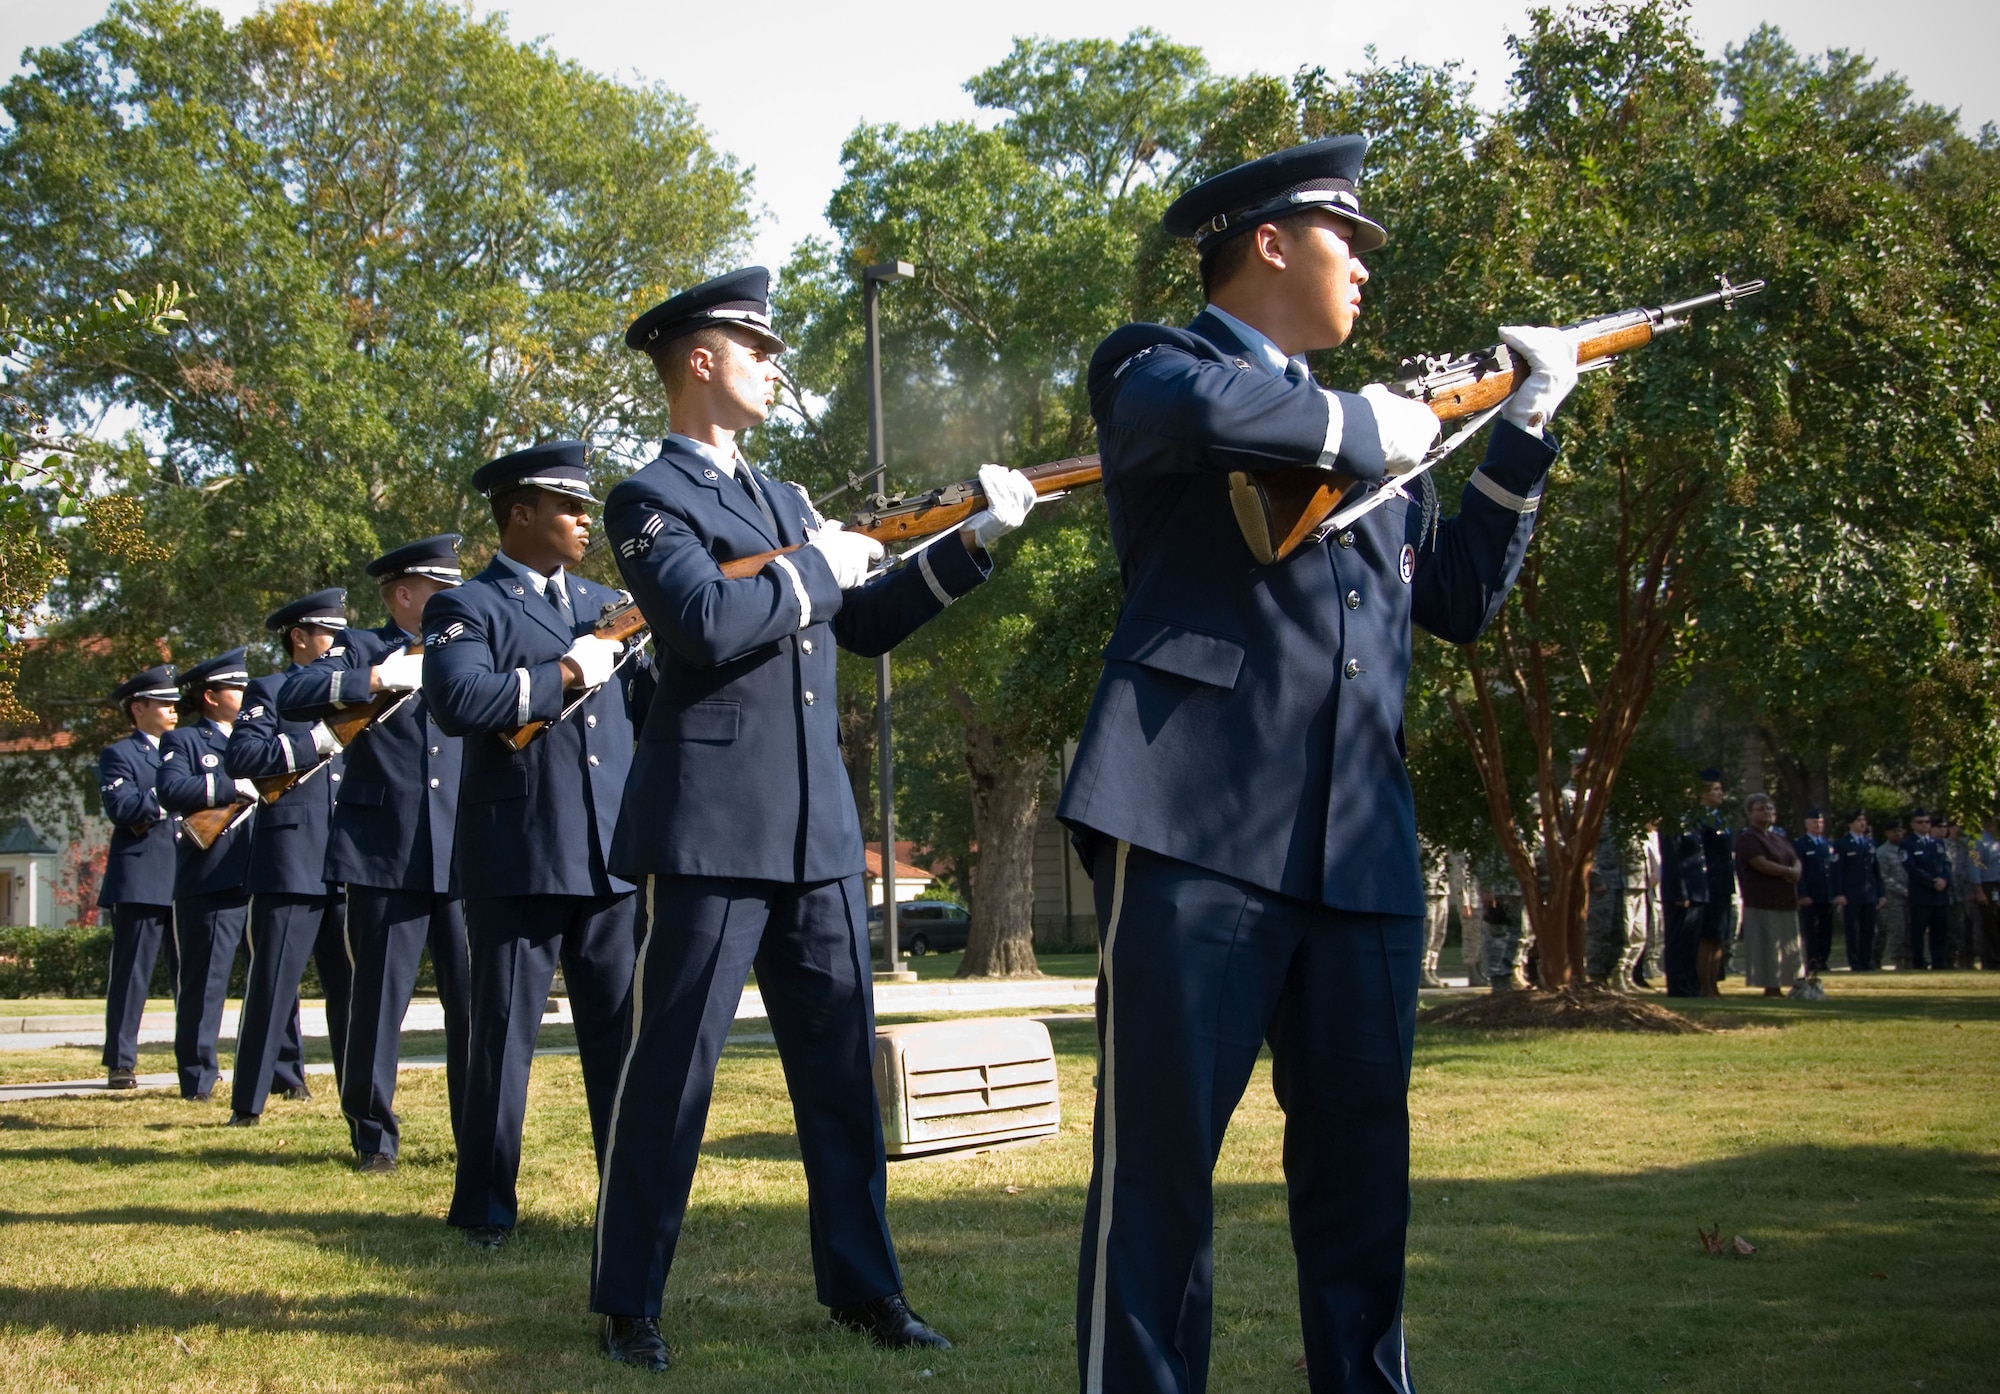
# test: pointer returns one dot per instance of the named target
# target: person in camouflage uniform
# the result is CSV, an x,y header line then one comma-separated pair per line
x,y
1963,911
1471,925
1437,911
1642,908
1892,921
1501,912
1607,925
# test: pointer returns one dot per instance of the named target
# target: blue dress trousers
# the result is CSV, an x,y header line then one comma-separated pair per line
x,y
391,848
1240,797
528,859
739,814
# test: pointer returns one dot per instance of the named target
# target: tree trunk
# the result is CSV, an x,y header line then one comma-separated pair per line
x,y
1571,805
1006,797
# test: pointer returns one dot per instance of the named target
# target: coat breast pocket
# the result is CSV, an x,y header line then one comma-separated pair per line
x,y
1170,648
711,723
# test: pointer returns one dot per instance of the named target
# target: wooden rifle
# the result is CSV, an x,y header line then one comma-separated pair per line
x,y
204,826
1280,511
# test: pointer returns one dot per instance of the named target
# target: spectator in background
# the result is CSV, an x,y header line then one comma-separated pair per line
x,y
1815,891
1892,939
1960,853
1718,849
1642,907
1768,870
1986,895
1684,897
1857,890
1928,867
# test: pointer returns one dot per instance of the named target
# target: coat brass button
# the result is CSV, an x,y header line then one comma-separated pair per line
x,y
1354,600
1347,538
810,699
1353,668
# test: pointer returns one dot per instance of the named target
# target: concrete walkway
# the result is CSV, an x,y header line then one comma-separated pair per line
x,y
426,1014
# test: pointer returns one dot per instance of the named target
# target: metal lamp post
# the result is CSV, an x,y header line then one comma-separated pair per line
x,y
872,279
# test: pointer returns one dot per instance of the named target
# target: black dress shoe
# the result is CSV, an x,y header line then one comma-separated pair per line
x,y
299,1094
375,1164
122,1079
241,1120
891,1323
635,1341
489,1237
200,1098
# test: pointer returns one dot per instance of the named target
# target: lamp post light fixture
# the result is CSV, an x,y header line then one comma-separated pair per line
x,y
872,280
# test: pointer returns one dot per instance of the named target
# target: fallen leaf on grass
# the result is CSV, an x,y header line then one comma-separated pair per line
x,y
1884,1277
1744,1248
1300,1364
183,1345
1711,1239
1013,1190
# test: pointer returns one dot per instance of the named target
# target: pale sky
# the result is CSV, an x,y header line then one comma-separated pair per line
x,y
780,85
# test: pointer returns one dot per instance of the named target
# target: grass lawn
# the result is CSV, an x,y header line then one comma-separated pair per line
x,y
1559,1182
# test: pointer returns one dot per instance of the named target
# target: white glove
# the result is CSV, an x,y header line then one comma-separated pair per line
x,y
324,741
246,790
848,555
1407,427
1009,496
1551,355
401,671
595,658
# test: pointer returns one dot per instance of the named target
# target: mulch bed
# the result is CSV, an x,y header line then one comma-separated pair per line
x,y
1572,1009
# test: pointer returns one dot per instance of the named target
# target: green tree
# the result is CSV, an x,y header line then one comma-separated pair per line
x,y
415,242
1024,237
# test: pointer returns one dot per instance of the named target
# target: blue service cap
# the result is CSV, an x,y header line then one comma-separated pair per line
x,y
224,670
560,466
1815,813
1319,174
1711,775
435,557
325,609
155,685
738,299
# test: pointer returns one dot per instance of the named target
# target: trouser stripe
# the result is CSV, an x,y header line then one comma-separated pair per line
x,y
1094,1369
631,1049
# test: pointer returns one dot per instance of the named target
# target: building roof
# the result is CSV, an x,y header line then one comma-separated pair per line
x,y
22,840
871,856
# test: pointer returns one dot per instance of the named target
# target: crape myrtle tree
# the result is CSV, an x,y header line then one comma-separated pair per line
x,y
414,243
1758,500
1025,237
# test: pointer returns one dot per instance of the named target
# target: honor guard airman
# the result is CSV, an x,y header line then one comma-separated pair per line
x,y
739,816
1857,890
1928,870
211,902
1239,791
392,841
1816,891
138,886
295,914
511,647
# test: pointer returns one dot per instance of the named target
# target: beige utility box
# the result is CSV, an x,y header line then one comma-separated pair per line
x,y
965,1084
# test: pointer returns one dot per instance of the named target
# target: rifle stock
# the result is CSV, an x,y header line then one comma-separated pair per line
x,y
1280,511
204,826
621,622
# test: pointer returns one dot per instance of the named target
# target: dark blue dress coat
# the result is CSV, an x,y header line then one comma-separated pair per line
x,y
536,821
139,869
192,778
288,852
398,806
1815,868
1250,717
1855,873
738,771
